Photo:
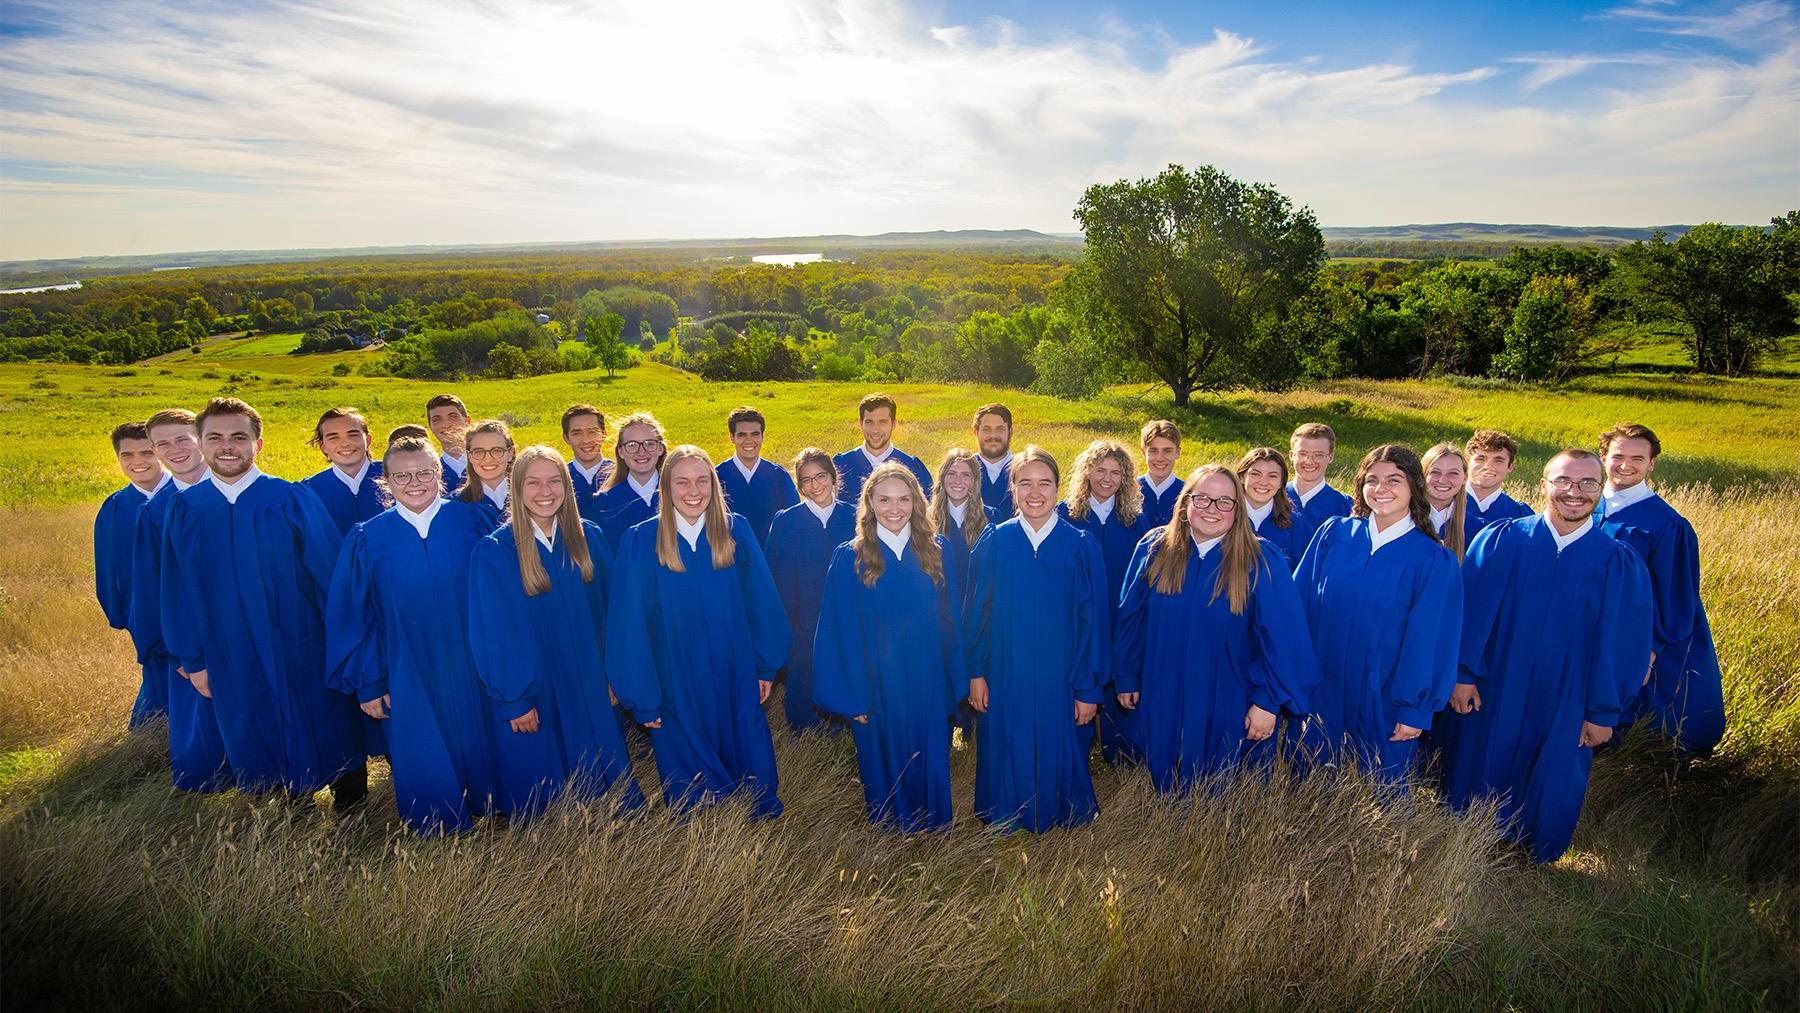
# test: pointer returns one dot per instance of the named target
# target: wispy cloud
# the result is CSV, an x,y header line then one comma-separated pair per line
x,y
343,123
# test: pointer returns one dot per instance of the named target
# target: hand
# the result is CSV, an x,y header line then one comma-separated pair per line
x,y
202,682
378,707
526,723
1128,701
1648,672
1084,712
1593,735
611,697
978,694
861,719
763,686
1259,724
1465,698
653,724
1404,733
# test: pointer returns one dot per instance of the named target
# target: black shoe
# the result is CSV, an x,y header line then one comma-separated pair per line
x,y
350,791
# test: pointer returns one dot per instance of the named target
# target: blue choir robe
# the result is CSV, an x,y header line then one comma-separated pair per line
x,y
1685,696
196,751
453,480
347,508
253,577
1385,629
1037,630
618,509
1549,640
391,596
1475,518
1117,542
956,543
1159,509
546,653
996,494
1283,540
585,489
799,554
1198,667
894,652
853,468
115,529
690,649
1326,503
769,491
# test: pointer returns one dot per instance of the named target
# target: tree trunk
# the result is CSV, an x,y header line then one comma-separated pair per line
x,y
1182,391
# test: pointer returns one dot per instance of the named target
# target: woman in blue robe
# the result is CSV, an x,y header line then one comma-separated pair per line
x,y
629,496
1383,600
958,513
1105,501
383,646
491,450
1556,636
695,636
801,541
889,657
1212,643
537,610
1264,474
348,486
1038,639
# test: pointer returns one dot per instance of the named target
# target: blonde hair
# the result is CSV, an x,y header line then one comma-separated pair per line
x,y
1241,557
975,517
718,519
1459,504
1128,501
619,470
923,536
532,575
471,491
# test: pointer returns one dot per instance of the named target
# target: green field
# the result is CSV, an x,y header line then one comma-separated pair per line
x,y
1682,889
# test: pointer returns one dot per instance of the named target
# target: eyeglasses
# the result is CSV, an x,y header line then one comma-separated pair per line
x,y
808,481
409,477
639,446
486,453
1563,483
1224,504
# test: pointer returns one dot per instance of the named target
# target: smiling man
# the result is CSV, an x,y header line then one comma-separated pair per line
x,y
114,528
347,486
993,430
584,430
1491,456
449,422
1311,450
753,487
877,416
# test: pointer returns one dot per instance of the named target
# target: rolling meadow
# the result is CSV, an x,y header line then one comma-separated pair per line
x,y
1682,889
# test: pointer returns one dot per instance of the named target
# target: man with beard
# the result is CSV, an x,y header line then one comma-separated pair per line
x,y
993,437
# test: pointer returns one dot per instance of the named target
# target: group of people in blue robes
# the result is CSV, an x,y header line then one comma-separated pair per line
x,y
499,645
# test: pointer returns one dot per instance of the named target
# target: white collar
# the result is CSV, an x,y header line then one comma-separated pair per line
x,y
456,464
1439,518
690,531
588,473
1379,538
420,521
749,472
497,494
1256,515
644,492
1307,497
1101,508
548,541
1564,541
353,481
959,510
1037,536
1484,505
995,468
896,542
232,490
1202,548
1161,487
823,513
1619,500
889,452
181,486
164,480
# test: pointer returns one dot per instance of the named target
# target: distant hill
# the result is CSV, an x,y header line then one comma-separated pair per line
x,y
1481,232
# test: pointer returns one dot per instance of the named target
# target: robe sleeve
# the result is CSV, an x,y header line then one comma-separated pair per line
x,y
1419,683
1285,670
840,655
184,621
1623,655
500,630
949,601
317,540
923,474
1093,656
787,494
595,592
1312,567
978,616
1133,620
353,655
109,572
145,614
1674,566
770,634
1486,576
630,666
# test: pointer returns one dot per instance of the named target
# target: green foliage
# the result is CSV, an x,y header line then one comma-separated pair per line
x,y
1735,288
1550,329
760,354
603,331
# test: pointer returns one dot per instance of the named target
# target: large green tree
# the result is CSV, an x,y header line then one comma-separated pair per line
x,y
1189,273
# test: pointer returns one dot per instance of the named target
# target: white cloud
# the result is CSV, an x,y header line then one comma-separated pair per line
x,y
427,121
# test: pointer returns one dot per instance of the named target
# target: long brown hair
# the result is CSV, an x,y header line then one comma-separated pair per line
x,y
1128,502
1241,559
532,575
471,491
922,539
974,515
718,519
1459,504
1418,505
1281,514
619,471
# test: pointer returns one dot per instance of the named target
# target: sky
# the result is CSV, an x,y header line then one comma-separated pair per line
x,y
130,127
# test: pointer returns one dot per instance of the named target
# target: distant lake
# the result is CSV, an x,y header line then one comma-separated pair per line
x,y
789,259
45,288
